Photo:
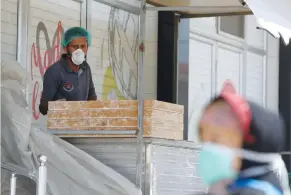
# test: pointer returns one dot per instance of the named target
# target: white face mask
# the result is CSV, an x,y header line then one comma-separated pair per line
x,y
78,57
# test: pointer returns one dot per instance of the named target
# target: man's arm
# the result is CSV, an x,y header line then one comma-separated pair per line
x,y
92,94
50,88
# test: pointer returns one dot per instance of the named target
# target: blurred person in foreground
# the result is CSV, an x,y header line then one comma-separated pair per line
x,y
241,142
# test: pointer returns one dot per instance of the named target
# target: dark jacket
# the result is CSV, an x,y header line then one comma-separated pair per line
x,y
269,130
61,82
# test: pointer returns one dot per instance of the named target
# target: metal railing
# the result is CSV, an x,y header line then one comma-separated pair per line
x,y
40,177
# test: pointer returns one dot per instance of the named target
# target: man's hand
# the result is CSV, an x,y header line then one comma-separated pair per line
x,y
63,99
92,98
43,107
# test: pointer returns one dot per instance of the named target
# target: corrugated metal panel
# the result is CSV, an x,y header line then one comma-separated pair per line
x,y
174,171
170,166
119,156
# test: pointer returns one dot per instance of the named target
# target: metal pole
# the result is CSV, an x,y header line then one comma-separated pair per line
x,y
42,175
139,156
13,184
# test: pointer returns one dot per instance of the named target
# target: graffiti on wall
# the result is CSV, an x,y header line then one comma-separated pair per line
x,y
120,77
41,57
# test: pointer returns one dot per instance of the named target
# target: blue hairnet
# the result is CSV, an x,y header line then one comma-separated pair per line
x,y
73,33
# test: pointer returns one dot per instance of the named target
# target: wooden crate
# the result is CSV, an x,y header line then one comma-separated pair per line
x,y
161,119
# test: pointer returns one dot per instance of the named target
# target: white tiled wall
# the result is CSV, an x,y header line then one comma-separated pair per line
x,y
250,74
8,29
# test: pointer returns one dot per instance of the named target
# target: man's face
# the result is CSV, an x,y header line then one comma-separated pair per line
x,y
78,43
219,125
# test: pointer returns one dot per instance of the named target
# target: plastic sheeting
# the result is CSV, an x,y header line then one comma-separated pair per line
x,y
70,170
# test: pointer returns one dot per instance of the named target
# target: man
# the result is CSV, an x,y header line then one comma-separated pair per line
x,y
70,78
241,142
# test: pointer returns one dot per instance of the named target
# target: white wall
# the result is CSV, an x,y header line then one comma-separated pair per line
x,y
200,80
8,29
48,15
272,74
251,64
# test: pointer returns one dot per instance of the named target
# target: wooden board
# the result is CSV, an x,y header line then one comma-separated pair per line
x,y
161,119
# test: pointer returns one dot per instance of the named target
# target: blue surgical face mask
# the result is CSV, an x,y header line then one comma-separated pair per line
x,y
215,162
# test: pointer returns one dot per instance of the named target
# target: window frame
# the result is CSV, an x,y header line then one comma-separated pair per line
x,y
228,35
